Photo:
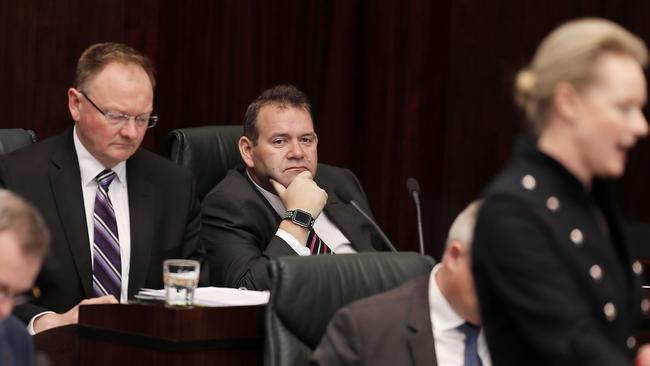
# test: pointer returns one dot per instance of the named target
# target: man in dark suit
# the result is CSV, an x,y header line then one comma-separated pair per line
x,y
115,210
24,239
429,320
282,202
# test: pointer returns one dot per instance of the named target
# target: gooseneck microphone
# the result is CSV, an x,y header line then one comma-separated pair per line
x,y
414,190
346,197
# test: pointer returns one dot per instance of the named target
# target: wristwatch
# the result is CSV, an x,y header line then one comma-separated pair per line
x,y
300,218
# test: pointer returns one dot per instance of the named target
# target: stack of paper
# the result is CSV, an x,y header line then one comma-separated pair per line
x,y
214,296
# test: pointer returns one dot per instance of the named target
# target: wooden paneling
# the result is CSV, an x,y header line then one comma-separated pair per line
x,y
399,88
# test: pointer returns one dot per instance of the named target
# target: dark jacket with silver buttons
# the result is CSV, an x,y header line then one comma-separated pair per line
x,y
554,274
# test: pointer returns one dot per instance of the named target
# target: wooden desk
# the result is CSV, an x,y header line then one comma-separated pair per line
x,y
155,335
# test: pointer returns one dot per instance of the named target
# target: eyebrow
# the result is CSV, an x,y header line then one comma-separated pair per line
x,y
119,111
284,134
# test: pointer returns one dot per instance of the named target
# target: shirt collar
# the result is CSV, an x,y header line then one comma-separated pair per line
x,y
443,315
273,198
89,167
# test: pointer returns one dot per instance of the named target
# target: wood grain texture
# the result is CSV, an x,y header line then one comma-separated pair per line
x,y
399,88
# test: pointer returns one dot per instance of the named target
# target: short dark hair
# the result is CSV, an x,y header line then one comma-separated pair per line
x,y
283,96
93,60
21,218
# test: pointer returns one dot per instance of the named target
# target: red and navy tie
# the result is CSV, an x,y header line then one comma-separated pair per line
x,y
316,245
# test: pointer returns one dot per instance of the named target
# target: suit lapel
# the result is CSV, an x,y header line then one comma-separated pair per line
x,y
418,326
141,211
65,180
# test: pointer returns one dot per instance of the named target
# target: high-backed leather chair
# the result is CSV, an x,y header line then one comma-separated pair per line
x,y
208,151
307,291
15,138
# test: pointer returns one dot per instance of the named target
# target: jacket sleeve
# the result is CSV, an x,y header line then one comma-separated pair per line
x,y
236,236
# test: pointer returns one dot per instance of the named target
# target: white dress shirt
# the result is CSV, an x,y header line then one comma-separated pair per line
x,y
324,227
449,341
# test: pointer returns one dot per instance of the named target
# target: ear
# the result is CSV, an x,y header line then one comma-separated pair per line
x,y
455,252
566,102
74,101
246,151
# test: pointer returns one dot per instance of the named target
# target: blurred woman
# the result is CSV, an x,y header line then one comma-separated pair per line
x,y
555,277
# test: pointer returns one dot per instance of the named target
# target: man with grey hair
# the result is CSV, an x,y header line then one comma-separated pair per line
x,y
432,319
24,239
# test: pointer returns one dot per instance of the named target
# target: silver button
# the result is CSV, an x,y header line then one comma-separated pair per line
x,y
528,181
610,311
552,203
631,342
645,305
637,267
596,272
577,238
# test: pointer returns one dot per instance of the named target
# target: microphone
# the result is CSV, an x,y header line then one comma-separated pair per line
x,y
346,197
414,190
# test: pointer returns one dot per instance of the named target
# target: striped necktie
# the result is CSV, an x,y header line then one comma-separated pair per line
x,y
107,265
471,332
316,245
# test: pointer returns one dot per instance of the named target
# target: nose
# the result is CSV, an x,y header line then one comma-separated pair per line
x,y
6,306
129,129
641,126
295,150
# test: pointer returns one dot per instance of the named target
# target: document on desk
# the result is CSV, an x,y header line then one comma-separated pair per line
x,y
213,296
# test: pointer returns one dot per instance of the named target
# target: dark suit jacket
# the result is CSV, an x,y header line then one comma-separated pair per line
x,y
390,328
16,347
553,271
164,218
239,226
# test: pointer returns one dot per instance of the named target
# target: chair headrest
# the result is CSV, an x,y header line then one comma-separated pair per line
x,y
300,285
15,138
208,151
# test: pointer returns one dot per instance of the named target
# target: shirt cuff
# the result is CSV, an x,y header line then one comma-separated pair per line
x,y
301,250
30,326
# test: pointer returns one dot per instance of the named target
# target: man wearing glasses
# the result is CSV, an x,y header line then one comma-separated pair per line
x,y
24,239
116,211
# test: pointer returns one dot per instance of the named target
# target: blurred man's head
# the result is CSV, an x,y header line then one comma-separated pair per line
x,y
279,139
24,239
455,274
112,101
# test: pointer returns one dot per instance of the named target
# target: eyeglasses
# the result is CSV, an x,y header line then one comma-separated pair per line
x,y
119,119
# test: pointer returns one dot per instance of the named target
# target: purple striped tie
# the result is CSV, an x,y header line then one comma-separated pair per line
x,y
107,266
316,245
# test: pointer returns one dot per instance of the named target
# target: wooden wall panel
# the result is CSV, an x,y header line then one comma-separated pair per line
x,y
399,88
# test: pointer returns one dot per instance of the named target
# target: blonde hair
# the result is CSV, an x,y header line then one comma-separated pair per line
x,y
568,55
462,229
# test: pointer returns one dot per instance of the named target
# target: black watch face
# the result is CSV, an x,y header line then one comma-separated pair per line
x,y
302,217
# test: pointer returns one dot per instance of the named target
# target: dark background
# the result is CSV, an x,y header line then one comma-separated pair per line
x,y
402,88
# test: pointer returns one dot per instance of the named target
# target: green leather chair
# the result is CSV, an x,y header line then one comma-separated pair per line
x,y
15,138
208,151
307,291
